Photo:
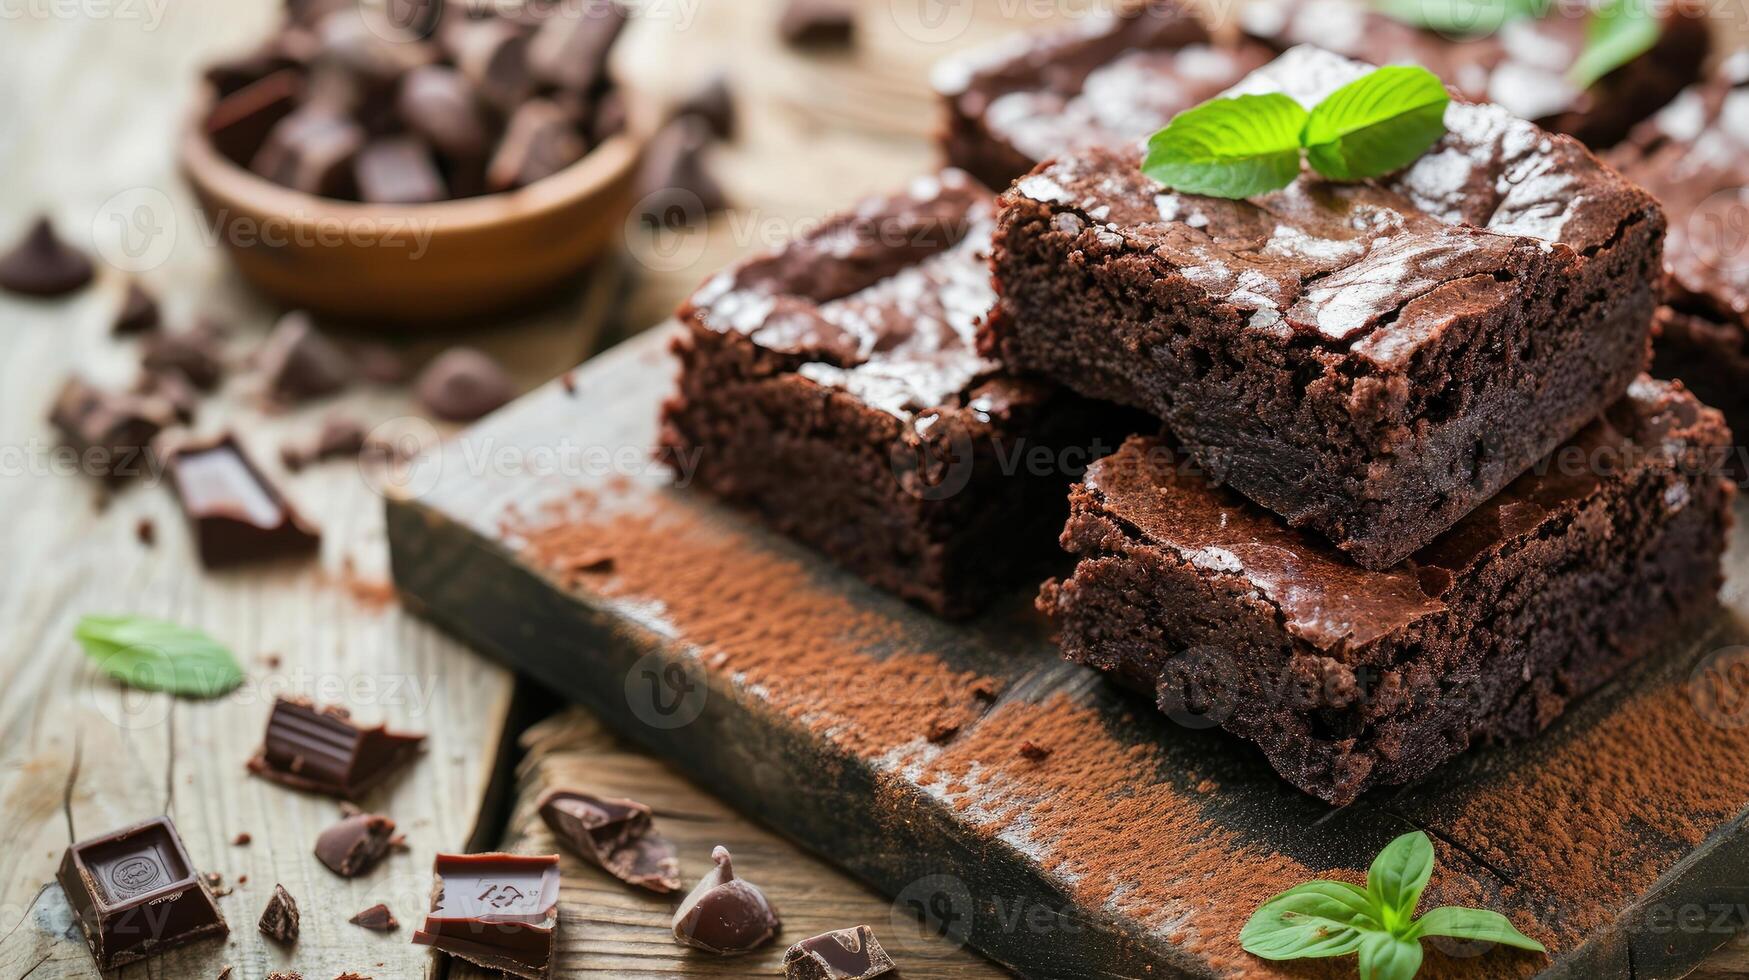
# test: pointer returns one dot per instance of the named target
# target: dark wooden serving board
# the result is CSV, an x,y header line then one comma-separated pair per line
x,y
1138,847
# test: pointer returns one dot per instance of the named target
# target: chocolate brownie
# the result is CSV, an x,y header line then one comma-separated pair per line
x,y
1523,65
1110,79
1348,678
1372,360
1694,157
832,386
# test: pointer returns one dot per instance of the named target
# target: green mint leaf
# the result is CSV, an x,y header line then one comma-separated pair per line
x,y
1231,148
1318,918
1460,18
1386,957
1376,124
153,655
1462,923
1619,32
1397,877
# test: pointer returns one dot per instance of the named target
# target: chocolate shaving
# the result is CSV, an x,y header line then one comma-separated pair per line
x,y
355,844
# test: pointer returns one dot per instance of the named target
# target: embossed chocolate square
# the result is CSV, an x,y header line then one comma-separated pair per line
x,y
136,894
499,911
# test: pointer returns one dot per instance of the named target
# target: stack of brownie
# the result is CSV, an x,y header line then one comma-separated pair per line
x,y
1401,485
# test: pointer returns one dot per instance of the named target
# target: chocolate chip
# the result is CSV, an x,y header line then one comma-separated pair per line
x,y
41,264
398,170
355,844
844,954
819,23
194,353
615,835
540,141
311,150
377,918
712,103
678,189
440,104
570,51
279,921
724,914
111,432
463,384
298,362
138,312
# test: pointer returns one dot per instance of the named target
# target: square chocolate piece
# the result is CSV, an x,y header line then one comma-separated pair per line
x,y
322,750
136,894
499,911
236,515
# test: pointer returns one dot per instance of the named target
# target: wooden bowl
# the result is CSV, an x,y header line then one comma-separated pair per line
x,y
398,266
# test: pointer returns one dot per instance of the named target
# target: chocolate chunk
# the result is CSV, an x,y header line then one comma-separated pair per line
x,y
570,50
235,514
440,104
724,914
679,190
374,54
135,894
493,54
196,354
321,750
609,118
377,918
311,150
173,388
845,954
112,433
819,23
299,362
463,384
615,835
416,18
398,170
499,911
41,264
355,844
279,920
713,104
239,123
540,141
138,312
338,437
380,363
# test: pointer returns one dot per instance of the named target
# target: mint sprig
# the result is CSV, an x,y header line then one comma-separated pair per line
x,y
1250,144
1333,918
1619,31
153,655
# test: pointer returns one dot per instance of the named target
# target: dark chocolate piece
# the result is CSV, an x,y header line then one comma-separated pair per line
x,y
398,170
819,23
570,49
41,264
713,104
499,911
844,954
609,119
678,187
417,18
311,150
440,104
540,141
463,384
298,362
138,312
724,914
355,844
377,918
174,389
239,123
1030,749
338,437
136,894
236,515
197,354
279,920
493,54
321,750
615,835
112,433
373,54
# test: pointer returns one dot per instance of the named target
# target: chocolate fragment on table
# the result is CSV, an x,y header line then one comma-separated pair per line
x,y
354,845
498,911
42,264
111,432
138,312
240,121
299,362
196,353
463,384
613,834
844,954
818,23
398,170
146,532
136,894
678,188
235,514
279,920
173,388
540,140
377,918
724,914
712,103
321,750
570,49
338,437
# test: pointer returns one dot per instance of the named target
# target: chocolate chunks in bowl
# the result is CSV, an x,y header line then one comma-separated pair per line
x,y
1370,361
236,516
498,911
135,894
322,750
831,387
1348,678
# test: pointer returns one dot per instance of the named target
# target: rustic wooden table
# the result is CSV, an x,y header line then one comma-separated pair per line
x,y
91,95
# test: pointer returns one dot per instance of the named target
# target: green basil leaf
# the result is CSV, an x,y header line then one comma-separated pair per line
x,y
1386,957
1376,124
153,655
1318,918
1619,32
1460,18
1462,923
1231,148
1397,877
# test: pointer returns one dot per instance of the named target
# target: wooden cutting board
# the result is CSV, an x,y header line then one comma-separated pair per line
x,y
1138,847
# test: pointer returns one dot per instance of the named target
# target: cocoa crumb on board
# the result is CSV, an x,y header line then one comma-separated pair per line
x,y
242,839
1030,749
